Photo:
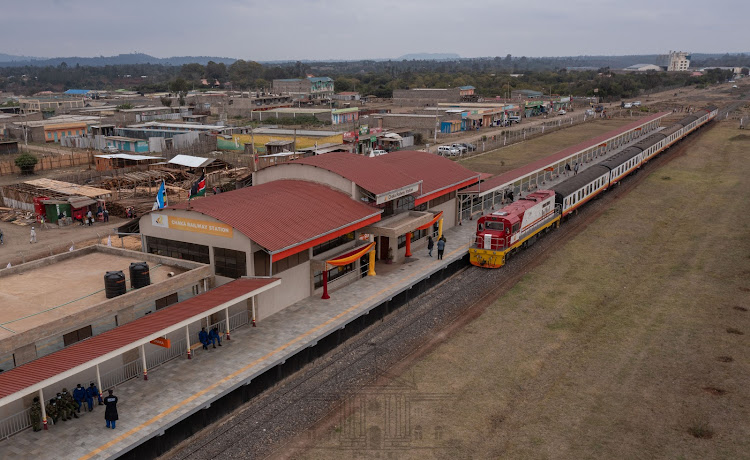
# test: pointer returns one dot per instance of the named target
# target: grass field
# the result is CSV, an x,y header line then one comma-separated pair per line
x,y
517,155
630,341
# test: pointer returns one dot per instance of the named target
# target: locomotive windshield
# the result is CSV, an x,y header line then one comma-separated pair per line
x,y
494,225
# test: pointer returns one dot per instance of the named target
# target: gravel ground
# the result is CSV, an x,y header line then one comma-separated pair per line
x,y
269,422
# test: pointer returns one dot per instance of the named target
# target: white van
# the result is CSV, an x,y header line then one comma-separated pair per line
x,y
627,105
636,104
377,153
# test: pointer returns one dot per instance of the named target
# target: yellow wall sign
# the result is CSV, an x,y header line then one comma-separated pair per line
x,y
191,225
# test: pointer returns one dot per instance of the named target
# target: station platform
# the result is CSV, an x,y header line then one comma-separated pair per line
x,y
179,389
182,387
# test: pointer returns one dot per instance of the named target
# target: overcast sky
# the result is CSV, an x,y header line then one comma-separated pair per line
x,y
354,29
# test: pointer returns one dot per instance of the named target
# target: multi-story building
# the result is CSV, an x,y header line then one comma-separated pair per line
x,y
679,61
313,88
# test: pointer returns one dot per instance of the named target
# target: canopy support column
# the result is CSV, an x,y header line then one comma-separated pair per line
x,y
252,306
143,358
440,228
371,268
408,245
325,283
44,410
226,314
99,382
187,342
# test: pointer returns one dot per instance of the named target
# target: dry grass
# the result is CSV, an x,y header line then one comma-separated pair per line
x,y
517,155
607,350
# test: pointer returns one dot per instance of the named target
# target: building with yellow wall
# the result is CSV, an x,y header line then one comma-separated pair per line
x,y
262,136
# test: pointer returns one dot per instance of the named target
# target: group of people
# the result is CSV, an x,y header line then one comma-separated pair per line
x,y
66,406
212,337
440,246
575,168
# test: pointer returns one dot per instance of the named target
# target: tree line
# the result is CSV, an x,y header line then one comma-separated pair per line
x,y
491,77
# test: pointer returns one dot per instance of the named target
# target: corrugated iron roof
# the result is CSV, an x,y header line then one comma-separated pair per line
x,y
374,176
517,173
436,173
285,213
68,188
190,161
46,367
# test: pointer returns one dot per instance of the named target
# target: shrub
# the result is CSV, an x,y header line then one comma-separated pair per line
x,y
26,163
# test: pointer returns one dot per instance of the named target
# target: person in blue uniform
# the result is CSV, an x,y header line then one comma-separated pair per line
x,y
92,392
214,337
203,337
79,394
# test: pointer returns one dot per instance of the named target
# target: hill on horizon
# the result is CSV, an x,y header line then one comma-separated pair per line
x,y
7,60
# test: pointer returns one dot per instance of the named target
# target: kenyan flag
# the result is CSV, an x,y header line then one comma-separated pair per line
x,y
198,188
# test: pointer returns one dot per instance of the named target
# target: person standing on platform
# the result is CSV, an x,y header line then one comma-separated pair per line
x,y
32,238
430,245
110,413
79,395
441,248
36,415
575,169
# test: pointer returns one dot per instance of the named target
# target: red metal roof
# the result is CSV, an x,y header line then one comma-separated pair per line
x,y
372,175
283,214
517,173
439,175
68,358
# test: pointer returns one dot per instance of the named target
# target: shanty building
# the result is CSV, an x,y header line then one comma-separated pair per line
x,y
304,216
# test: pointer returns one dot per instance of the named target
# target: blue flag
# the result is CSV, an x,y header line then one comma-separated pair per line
x,y
160,195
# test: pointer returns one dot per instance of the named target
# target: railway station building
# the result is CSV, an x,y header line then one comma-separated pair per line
x,y
313,221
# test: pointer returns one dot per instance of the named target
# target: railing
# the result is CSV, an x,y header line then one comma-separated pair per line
x,y
15,423
122,374
497,243
22,420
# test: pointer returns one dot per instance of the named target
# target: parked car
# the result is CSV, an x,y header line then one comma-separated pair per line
x,y
590,112
377,153
636,104
447,151
514,118
470,147
460,147
627,105
735,86
561,112
110,149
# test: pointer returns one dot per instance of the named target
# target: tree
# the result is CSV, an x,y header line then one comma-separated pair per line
x,y
26,163
166,101
216,71
179,85
192,72
244,73
745,71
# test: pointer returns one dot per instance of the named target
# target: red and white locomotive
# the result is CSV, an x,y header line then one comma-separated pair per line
x,y
515,225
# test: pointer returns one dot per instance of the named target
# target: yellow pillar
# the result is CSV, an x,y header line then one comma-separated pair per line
x,y
440,228
371,269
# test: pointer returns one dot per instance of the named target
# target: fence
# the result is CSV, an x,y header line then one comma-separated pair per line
x,y
8,167
15,423
514,136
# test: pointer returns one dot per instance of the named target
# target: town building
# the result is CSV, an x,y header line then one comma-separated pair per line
x,y
679,61
310,88
300,214
643,68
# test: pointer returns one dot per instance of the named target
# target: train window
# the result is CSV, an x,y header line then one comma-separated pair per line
x,y
516,227
494,226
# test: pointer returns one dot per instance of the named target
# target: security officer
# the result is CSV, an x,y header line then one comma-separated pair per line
x,y
62,408
79,395
51,408
70,404
36,415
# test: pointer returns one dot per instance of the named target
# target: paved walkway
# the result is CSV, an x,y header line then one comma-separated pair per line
x,y
181,387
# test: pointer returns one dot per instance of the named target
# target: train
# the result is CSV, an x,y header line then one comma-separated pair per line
x,y
518,224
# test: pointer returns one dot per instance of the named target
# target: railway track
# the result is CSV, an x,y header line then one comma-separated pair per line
x,y
312,396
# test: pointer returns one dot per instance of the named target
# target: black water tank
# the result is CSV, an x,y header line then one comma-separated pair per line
x,y
114,284
139,276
